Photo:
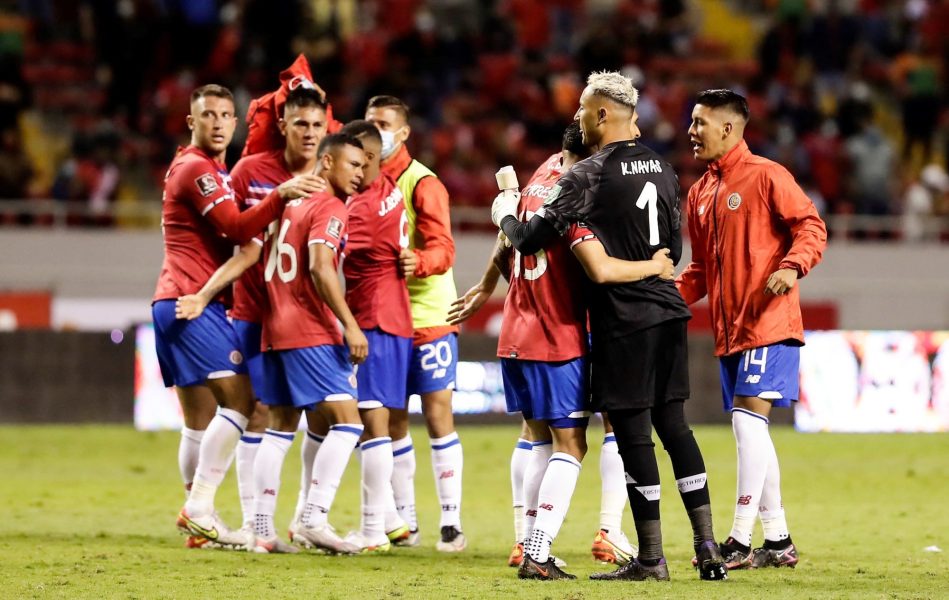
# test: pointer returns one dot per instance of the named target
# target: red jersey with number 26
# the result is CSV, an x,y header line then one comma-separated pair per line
x,y
298,317
377,231
253,178
194,184
544,314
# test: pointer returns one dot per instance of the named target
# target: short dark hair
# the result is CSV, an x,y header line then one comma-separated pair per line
x,y
360,128
334,142
733,101
573,140
390,102
301,97
212,89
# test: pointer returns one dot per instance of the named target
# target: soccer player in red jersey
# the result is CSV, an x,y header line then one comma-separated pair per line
x,y
303,126
201,358
435,344
543,347
377,262
307,365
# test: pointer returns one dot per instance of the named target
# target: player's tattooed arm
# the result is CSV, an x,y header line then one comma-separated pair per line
x,y
471,302
604,269
191,306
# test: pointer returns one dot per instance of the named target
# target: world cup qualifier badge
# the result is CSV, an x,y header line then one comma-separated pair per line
x,y
334,227
206,184
734,201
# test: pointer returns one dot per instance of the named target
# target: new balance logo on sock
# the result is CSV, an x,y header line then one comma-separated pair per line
x,y
546,506
530,513
744,500
446,474
269,492
449,507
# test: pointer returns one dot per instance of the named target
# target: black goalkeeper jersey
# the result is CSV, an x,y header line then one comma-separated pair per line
x,y
629,196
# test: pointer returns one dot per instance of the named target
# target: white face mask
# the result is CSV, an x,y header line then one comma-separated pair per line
x,y
389,145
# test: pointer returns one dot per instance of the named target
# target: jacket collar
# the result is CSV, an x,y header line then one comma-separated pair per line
x,y
731,159
396,164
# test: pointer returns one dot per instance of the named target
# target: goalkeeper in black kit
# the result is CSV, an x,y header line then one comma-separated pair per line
x,y
629,197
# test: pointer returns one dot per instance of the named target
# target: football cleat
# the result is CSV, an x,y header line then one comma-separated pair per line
x,y
398,534
768,557
273,545
735,555
636,571
410,539
548,571
709,561
293,532
199,543
366,545
517,555
612,548
453,540
324,537
213,529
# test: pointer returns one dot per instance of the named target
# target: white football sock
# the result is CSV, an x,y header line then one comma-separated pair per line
x,y
308,449
217,451
754,448
771,509
403,480
556,490
519,459
533,475
188,448
267,467
245,455
447,464
612,486
328,469
376,485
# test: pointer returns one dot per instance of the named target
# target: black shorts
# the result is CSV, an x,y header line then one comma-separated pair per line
x,y
642,369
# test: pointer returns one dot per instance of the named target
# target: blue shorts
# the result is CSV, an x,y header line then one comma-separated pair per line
x,y
556,392
304,377
191,352
382,378
248,335
770,373
433,365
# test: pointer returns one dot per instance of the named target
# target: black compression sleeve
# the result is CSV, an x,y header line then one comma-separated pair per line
x,y
529,237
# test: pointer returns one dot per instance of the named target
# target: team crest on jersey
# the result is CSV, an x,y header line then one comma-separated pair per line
x,y
734,201
206,184
236,357
334,227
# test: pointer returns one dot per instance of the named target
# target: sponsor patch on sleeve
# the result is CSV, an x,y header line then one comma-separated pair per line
x,y
334,227
552,194
207,185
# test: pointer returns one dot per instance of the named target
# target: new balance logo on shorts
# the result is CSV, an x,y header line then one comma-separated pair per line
x,y
753,379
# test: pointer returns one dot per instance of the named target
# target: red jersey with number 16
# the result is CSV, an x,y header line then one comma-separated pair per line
x,y
545,317
253,178
298,317
194,184
377,231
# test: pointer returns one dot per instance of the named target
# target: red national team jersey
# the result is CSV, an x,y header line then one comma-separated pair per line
x,y
298,318
194,184
544,313
377,231
253,178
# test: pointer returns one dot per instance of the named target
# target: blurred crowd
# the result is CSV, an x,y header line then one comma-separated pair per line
x,y
850,95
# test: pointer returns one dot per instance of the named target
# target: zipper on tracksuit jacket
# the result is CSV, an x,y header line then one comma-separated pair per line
x,y
718,258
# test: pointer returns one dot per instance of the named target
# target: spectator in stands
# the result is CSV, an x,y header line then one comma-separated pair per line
x,y
871,170
926,195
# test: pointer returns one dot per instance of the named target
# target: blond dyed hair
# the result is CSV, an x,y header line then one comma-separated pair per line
x,y
615,86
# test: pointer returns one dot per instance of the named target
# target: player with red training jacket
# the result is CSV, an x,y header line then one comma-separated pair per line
x,y
307,366
754,233
377,262
201,358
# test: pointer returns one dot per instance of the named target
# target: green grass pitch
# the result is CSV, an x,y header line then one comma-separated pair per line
x,y
89,513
